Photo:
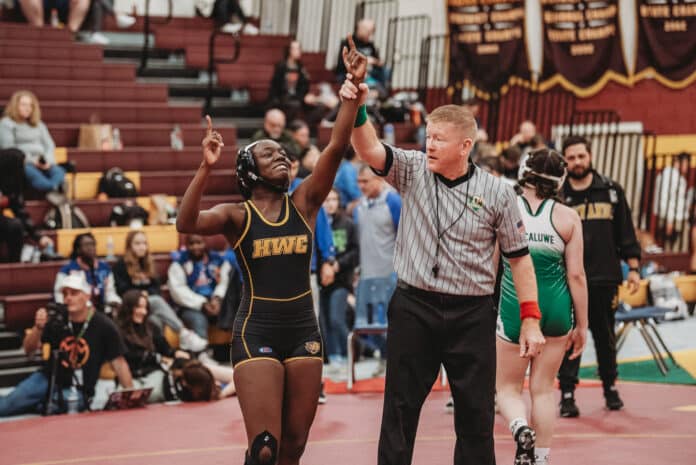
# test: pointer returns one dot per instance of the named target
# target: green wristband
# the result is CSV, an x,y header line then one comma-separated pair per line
x,y
361,118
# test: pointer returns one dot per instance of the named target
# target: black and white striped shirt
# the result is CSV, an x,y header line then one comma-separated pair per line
x,y
474,211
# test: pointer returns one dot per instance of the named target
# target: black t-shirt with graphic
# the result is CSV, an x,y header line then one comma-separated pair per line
x,y
101,342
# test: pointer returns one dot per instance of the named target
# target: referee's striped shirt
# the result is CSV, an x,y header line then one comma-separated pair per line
x,y
474,211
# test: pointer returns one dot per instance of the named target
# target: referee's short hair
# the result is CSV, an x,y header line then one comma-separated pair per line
x,y
574,140
458,116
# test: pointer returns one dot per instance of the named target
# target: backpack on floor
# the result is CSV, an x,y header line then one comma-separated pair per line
x,y
66,216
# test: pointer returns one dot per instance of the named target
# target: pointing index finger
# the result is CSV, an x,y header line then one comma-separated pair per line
x,y
210,124
351,44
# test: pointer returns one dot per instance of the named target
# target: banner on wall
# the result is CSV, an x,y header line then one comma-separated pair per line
x,y
667,42
487,44
582,45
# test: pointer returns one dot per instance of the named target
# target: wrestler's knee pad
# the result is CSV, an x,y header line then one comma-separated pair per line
x,y
264,450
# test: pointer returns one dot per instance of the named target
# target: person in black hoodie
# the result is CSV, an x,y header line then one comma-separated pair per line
x,y
290,82
333,297
609,237
377,77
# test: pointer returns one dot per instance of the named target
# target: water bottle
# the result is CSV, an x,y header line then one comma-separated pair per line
x,y
55,21
176,141
116,137
389,134
73,401
110,249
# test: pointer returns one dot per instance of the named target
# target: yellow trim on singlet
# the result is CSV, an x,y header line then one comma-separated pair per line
x,y
289,299
313,357
270,223
301,216
254,359
246,227
251,301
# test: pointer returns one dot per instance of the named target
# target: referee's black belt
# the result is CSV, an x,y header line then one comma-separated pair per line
x,y
439,298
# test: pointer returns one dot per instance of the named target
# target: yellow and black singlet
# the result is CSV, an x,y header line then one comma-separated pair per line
x,y
276,316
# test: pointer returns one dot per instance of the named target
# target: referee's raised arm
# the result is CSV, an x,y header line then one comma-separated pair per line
x,y
364,137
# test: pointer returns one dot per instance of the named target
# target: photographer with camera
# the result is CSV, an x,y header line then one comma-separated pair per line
x,y
75,341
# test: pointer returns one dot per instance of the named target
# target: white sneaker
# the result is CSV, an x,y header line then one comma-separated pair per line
x,y
188,340
96,38
232,28
124,21
250,29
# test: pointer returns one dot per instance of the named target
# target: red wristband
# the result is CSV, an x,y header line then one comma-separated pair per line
x,y
530,309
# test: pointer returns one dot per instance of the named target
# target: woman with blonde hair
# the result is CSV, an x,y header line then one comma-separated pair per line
x,y
136,270
21,128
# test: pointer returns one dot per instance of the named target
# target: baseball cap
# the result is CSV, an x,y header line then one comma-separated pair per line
x,y
77,282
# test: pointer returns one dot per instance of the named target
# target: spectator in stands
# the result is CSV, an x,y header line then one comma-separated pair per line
x,y
510,158
84,262
309,153
290,82
136,270
377,218
346,182
83,339
673,196
523,139
225,10
72,13
334,297
14,229
377,74
198,280
148,354
96,20
491,164
274,129
22,128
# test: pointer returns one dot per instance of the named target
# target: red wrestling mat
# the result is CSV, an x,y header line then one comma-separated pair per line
x,y
658,426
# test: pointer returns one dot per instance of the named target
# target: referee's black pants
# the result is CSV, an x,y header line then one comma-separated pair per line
x,y
426,330
601,309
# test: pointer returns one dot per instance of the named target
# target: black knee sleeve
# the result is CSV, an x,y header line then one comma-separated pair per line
x,y
263,440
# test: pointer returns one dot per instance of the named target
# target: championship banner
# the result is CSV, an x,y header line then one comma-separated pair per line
x,y
487,44
667,42
582,46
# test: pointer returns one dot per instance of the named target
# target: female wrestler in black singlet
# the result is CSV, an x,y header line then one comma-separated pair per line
x,y
276,347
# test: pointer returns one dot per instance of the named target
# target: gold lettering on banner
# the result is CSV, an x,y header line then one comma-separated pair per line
x,y
682,11
488,49
472,2
582,49
601,13
566,35
514,14
675,26
469,37
654,11
562,17
597,33
503,35
468,18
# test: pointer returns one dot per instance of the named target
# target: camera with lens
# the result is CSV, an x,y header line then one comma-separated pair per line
x,y
57,317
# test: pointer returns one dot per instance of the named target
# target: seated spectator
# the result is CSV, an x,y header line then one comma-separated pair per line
x,y
290,82
320,104
334,297
149,355
510,158
377,219
72,13
491,164
136,270
377,74
96,21
14,229
309,153
198,280
523,139
82,339
21,128
224,12
84,262
274,129
672,197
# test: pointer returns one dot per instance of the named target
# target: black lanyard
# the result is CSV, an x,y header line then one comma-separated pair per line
x,y
84,327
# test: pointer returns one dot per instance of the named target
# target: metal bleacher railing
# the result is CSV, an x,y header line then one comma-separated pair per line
x,y
214,60
147,21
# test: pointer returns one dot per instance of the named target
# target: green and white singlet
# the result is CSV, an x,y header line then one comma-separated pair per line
x,y
547,249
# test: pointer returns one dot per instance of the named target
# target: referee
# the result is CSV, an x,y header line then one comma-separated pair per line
x,y
442,311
